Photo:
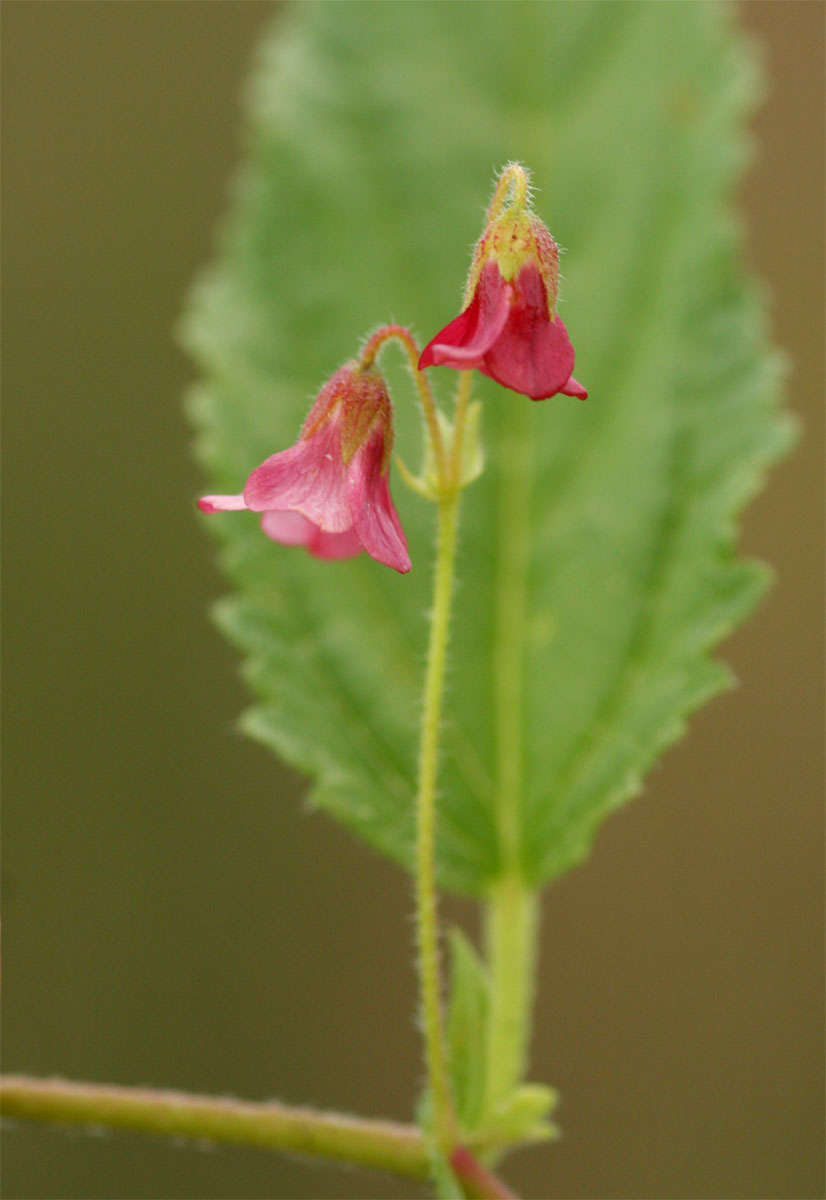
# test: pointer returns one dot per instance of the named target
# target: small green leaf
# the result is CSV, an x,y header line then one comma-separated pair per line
x,y
466,1028
472,458
523,1116
598,565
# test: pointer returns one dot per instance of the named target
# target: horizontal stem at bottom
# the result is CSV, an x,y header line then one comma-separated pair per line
x,y
384,1145
381,1145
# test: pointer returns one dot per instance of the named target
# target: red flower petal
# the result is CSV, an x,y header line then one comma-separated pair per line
x,y
375,518
507,333
534,354
334,545
572,388
329,492
465,341
213,504
293,529
309,478
288,528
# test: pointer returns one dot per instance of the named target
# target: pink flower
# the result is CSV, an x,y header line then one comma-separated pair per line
x,y
509,329
329,492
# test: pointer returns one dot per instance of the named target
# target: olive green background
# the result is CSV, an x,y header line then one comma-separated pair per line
x,y
172,916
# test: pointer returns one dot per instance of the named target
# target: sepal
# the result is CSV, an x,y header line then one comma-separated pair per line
x,y
471,459
467,1021
522,1116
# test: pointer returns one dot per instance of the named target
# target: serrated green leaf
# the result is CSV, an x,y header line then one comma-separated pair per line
x,y
374,133
466,1025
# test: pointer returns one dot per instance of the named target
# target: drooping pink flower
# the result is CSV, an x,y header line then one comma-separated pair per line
x,y
509,328
329,492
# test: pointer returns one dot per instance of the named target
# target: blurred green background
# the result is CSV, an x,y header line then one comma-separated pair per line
x,y
172,917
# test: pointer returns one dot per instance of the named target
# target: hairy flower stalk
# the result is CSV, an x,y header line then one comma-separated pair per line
x,y
443,1118
427,923
401,334
509,330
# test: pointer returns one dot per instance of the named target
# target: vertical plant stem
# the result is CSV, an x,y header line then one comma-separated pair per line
x,y
426,906
511,924
513,560
427,923
511,936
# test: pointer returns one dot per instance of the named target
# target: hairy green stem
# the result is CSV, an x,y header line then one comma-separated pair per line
x,y
427,921
379,1144
427,929
513,561
511,925
479,1183
511,937
401,334
383,1145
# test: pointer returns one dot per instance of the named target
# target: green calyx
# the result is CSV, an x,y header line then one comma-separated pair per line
x,y
365,407
513,239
